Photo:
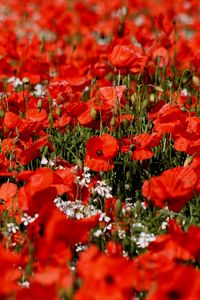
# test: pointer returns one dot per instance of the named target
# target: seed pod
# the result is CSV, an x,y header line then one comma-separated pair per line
x,y
158,89
39,104
196,80
188,161
152,98
79,163
133,98
118,207
112,122
144,104
58,111
2,113
93,113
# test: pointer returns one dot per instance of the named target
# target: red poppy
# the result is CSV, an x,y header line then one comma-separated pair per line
x,y
8,192
182,283
32,151
100,271
126,57
174,187
141,145
100,152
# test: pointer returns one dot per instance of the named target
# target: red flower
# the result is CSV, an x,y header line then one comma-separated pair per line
x,y
101,272
126,57
174,187
100,151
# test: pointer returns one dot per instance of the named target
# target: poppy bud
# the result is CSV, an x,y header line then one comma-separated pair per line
x,y
51,118
128,175
126,122
133,98
79,163
158,89
152,97
196,80
112,122
1,113
26,81
118,207
144,104
188,161
58,111
39,104
93,113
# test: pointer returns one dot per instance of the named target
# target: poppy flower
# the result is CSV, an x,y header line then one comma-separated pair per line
x,y
99,270
180,283
11,274
140,145
33,151
8,191
100,152
174,187
126,57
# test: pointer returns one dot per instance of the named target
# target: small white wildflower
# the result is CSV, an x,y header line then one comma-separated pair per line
x,y
184,92
26,219
51,163
143,205
84,179
109,227
12,228
79,216
144,239
80,247
25,284
103,217
44,161
98,233
15,81
103,189
39,90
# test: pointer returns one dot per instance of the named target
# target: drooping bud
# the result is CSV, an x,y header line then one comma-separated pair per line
x,y
196,80
93,113
2,113
26,81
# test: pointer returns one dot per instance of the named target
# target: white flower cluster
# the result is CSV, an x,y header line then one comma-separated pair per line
x,y
26,219
102,189
85,178
15,81
12,227
76,209
144,239
45,162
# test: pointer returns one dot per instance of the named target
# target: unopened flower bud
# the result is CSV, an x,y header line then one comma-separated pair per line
x,y
93,113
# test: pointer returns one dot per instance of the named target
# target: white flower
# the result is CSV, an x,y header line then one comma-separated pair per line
x,y
103,189
15,81
84,179
26,219
144,239
44,161
12,228
98,233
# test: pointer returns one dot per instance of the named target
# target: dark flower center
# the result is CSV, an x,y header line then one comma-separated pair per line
x,y
99,152
109,279
173,295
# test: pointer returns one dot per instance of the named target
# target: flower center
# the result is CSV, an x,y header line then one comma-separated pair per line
x,y
99,152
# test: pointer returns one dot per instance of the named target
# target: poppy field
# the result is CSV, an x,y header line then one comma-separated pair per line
x,y
100,150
